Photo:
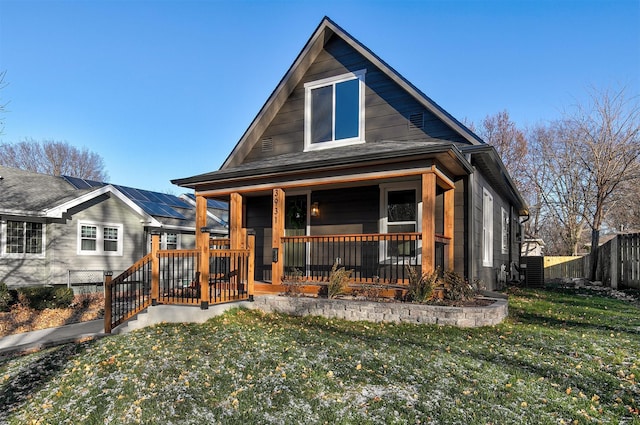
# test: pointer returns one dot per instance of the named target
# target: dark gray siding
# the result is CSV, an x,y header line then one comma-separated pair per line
x,y
387,107
346,211
489,274
459,230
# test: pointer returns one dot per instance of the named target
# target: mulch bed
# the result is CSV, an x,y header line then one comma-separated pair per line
x,y
24,319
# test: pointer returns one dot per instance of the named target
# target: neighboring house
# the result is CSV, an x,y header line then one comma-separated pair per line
x,y
532,247
348,162
54,228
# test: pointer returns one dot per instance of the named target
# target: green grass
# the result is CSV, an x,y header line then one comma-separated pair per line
x,y
561,357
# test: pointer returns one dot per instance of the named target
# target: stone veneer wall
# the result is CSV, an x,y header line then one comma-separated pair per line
x,y
385,312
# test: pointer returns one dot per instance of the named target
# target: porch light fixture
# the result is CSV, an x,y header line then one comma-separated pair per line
x,y
315,210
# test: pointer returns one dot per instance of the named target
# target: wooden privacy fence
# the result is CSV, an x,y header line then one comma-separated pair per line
x,y
618,263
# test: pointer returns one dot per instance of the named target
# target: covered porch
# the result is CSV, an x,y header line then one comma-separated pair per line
x,y
376,224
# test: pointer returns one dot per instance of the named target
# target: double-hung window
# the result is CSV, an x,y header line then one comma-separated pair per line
x,y
23,237
99,238
400,215
334,111
487,229
170,241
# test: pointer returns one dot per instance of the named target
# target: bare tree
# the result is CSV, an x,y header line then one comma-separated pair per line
x,y
624,212
560,183
3,105
604,134
53,157
510,142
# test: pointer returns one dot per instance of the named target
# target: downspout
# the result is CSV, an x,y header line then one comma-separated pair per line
x,y
470,269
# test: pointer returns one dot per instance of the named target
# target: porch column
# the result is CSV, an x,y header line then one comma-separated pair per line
x,y
449,207
277,233
236,233
428,222
202,245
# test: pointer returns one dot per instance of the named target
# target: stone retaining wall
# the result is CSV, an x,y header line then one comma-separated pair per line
x,y
385,312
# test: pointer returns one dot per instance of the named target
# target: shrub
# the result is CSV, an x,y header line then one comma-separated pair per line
x,y
338,280
6,297
371,290
421,285
293,282
456,287
43,297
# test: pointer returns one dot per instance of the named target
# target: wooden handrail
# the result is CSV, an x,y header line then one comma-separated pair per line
x,y
371,237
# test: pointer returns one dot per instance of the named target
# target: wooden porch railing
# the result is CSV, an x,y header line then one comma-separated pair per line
x,y
174,277
377,257
128,294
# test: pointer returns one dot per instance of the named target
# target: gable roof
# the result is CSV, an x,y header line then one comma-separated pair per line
x,y
306,57
29,194
486,158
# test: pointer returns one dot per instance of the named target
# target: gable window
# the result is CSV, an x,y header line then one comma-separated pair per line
x,y
334,111
99,239
487,229
23,237
505,231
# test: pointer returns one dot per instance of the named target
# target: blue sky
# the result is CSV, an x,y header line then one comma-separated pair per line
x,y
164,89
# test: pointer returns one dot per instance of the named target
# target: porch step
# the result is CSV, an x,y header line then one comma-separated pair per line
x,y
154,315
138,321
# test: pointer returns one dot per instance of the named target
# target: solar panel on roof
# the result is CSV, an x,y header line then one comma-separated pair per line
x,y
174,201
214,203
156,209
211,203
153,197
79,183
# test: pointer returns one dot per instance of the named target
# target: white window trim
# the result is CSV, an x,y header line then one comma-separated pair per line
x,y
487,228
384,219
505,231
100,239
308,146
163,241
3,241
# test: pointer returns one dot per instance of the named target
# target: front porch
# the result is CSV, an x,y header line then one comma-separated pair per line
x,y
374,222
375,225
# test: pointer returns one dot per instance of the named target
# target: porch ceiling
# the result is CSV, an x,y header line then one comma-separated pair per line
x,y
385,156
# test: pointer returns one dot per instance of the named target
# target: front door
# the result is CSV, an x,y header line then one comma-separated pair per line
x,y
295,225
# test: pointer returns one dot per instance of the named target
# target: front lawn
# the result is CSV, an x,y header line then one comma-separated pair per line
x,y
559,358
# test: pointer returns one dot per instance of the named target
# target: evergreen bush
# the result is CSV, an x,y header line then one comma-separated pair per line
x,y
43,297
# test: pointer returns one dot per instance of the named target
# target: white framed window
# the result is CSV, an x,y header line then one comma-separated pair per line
x,y
23,238
100,238
400,213
487,228
170,241
167,241
334,111
505,231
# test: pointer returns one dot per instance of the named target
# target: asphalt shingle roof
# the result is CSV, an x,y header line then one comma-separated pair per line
x,y
27,191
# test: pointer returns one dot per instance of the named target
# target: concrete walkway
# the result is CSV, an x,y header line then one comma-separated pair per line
x,y
38,340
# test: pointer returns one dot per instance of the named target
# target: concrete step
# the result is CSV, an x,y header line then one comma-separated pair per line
x,y
154,315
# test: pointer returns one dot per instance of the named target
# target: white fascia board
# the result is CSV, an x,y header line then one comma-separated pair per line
x,y
60,210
